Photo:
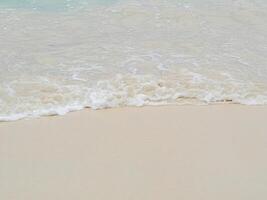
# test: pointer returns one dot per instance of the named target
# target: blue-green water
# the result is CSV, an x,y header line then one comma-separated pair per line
x,y
53,4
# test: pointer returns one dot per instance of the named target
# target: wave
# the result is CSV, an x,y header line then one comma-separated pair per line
x,y
132,53
128,90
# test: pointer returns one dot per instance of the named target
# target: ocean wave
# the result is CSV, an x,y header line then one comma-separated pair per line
x,y
132,53
128,90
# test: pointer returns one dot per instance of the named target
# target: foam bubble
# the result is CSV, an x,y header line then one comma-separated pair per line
x,y
132,53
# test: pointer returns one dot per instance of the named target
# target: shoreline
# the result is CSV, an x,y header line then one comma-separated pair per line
x,y
61,112
159,152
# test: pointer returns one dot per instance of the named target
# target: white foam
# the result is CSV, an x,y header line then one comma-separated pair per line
x,y
132,53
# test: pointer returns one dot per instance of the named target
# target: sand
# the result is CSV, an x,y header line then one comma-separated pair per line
x,y
167,153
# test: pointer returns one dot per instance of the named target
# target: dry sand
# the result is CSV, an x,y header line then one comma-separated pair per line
x,y
151,153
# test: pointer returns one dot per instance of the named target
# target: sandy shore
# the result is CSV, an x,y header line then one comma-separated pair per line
x,y
150,153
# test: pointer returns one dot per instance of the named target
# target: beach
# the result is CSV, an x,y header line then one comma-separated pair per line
x,y
133,100
166,152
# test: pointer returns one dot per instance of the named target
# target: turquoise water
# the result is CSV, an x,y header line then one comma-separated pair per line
x,y
52,4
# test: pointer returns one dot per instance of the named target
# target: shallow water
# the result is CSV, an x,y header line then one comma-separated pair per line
x,y
58,56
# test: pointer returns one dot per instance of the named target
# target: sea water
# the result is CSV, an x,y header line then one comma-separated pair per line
x,y
62,55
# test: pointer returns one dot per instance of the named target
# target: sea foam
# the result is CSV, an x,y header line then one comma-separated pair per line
x,y
131,53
